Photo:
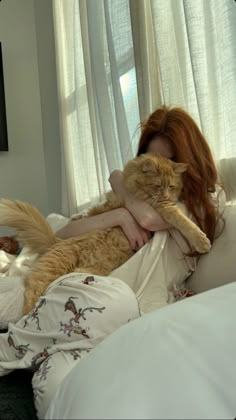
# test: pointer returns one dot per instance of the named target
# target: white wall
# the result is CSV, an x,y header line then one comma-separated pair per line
x,y
31,169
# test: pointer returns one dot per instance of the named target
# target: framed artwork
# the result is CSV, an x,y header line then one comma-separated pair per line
x,y
3,119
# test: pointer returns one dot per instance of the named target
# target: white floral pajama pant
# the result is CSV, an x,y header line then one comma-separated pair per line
x,y
77,312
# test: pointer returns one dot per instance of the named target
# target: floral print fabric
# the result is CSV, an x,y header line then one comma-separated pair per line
x,y
77,312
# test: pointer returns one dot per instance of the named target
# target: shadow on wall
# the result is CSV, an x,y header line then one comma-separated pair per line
x,y
3,119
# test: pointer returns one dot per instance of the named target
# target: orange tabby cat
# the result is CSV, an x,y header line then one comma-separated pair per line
x,y
149,177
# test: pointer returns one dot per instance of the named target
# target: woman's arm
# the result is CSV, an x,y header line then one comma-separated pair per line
x,y
145,215
136,235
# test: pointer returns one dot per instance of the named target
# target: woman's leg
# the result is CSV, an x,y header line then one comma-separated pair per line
x,y
50,374
77,312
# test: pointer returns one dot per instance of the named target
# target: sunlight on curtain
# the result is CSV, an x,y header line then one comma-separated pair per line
x,y
192,45
97,94
178,52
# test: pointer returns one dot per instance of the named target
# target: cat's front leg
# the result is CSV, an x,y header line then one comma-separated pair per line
x,y
198,239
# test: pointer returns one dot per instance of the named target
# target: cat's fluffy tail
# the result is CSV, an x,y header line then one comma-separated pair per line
x,y
31,227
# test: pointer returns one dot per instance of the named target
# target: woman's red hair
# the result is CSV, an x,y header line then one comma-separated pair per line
x,y
190,147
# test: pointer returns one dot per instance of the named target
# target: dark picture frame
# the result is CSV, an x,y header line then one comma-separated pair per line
x,y
3,116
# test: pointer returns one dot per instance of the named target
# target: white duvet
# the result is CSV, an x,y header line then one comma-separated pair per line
x,y
174,363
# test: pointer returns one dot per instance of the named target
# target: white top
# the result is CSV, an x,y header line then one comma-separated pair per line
x,y
161,266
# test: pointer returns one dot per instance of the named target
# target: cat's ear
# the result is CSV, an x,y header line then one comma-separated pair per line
x,y
179,168
148,166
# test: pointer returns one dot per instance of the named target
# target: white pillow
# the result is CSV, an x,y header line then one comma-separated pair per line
x,y
219,266
175,363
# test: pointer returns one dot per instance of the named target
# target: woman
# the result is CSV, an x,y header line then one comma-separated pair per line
x,y
79,310
175,135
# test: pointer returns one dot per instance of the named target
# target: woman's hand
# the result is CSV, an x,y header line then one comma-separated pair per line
x,y
136,235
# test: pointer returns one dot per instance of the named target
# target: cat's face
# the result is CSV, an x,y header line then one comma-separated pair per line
x,y
152,177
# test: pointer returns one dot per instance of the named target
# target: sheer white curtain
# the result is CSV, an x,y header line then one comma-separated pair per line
x,y
185,55
97,92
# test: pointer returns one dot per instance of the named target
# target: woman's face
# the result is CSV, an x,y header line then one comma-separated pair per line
x,y
161,145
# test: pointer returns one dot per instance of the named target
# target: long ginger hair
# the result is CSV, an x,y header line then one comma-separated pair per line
x,y
190,147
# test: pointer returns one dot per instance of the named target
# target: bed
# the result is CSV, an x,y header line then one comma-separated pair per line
x,y
176,362
215,269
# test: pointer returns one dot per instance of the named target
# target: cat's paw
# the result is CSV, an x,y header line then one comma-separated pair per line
x,y
201,243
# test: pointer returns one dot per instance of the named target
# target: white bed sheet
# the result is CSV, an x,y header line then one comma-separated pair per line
x,y
175,363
